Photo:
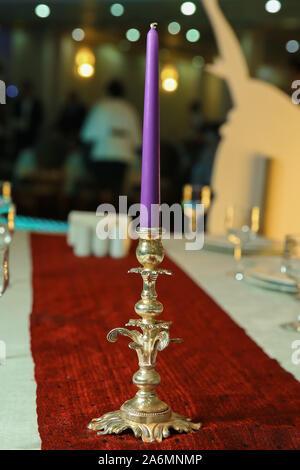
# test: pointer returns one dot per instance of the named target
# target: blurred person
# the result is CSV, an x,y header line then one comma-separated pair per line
x,y
201,172
51,150
49,154
71,116
190,148
27,117
196,117
76,174
112,136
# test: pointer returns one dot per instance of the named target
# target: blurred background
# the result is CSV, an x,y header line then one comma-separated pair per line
x,y
71,66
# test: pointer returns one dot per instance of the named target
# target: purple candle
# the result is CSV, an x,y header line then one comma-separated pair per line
x,y
150,186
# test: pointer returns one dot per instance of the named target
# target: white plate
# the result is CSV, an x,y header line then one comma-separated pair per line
x,y
271,274
270,285
221,243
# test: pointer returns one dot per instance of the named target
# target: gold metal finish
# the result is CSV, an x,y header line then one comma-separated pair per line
x,y
237,252
206,197
6,190
147,416
255,218
11,218
187,193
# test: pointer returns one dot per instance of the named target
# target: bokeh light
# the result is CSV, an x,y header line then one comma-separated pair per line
x,y
12,91
133,35
117,9
174,27
170,84
85,61
169,78
273,6
188,8
78,34
85,56
86,70
193,35
292,46
42,10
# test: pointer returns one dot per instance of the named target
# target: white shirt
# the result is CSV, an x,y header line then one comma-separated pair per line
x,y
113,129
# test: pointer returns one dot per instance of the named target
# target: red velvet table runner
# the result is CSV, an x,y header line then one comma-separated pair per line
x,y
218,376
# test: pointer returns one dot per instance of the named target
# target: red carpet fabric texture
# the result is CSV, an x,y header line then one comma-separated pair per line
x,y
218,375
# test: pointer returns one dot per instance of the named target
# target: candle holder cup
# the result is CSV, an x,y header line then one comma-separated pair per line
x,y
145,414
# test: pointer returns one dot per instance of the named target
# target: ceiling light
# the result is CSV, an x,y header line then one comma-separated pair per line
x,y
292,46
170,84
273,6
117,9
188,8
133,35
169,78
78,34
42,10
85,56
86,70
174,27
12,91
193,35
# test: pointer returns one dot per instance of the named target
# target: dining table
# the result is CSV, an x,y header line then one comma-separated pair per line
x,y
235,371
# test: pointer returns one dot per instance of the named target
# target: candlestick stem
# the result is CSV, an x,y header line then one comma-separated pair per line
x,y
147,416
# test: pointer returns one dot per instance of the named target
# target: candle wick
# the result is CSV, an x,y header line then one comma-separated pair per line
x,y
153,25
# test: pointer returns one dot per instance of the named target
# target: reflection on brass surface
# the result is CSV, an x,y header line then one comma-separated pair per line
x,y
147,416
115,423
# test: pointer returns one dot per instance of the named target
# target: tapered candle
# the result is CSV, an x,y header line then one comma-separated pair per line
x,y
150,185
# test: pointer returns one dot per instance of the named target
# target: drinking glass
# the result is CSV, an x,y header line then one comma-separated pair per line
x,y
242,225
5,239
192,195
291,266
7,227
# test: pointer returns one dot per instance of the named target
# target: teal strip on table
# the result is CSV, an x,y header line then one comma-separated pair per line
x,y
38,225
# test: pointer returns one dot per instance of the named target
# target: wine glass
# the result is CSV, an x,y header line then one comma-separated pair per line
x,y
7,227
242,225
193,195
5,240
291,266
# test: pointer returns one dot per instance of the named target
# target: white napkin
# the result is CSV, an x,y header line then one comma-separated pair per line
x,y
83,238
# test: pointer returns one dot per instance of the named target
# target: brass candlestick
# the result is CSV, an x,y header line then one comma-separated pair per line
x,y
147,416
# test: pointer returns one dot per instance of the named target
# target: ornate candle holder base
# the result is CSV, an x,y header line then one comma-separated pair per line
x,y
114,422
147,416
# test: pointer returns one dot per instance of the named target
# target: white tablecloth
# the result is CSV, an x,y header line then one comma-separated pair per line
x,y
18,421
258,311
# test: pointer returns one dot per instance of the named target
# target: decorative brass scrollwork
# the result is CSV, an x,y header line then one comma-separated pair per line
x,y
147,416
